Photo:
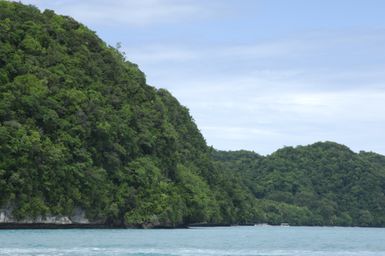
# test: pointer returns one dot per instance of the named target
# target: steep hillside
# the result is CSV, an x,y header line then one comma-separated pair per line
x,y
80,131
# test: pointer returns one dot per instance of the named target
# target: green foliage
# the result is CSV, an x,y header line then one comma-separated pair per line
x,y
80,128
321,184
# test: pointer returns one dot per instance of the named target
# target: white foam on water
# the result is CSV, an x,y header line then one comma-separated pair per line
x,y
85,251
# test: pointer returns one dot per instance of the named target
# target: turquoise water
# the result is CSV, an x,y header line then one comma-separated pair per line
x,y
232,241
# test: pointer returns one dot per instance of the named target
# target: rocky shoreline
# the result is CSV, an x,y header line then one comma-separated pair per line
x,y
15,225
20,225
77,220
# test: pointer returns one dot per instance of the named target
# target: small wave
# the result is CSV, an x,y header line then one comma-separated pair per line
x,y
174,252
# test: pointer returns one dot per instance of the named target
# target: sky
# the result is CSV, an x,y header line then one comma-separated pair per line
x,y
256,74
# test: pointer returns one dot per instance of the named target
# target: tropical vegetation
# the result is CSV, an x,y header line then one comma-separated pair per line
x,y
80,128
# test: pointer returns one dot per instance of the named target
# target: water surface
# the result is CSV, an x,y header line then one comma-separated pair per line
x,y
231,241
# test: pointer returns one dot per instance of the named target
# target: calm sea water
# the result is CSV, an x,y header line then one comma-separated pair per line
x,y
232,241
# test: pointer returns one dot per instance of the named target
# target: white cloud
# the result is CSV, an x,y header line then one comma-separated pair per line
x,y
237,132
121,12
294,50
246,115
158,53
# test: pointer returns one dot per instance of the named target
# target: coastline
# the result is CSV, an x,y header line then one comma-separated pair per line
x,y
15,226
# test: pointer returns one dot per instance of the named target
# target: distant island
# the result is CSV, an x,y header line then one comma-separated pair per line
x,y
85,142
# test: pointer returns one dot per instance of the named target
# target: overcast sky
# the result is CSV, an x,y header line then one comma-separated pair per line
x,y
257,74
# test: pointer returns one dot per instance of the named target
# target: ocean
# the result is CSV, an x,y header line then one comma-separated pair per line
x,y
231,241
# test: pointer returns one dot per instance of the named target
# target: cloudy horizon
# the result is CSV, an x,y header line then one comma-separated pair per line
x,y
256,75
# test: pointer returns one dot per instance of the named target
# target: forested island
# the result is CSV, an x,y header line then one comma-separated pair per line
x,y
85,141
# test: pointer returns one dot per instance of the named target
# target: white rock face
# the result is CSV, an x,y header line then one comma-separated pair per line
x,y
6,216
47,220
79,217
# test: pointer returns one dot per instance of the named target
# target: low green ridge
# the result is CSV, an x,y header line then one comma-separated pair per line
x,y
323,183
80,128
